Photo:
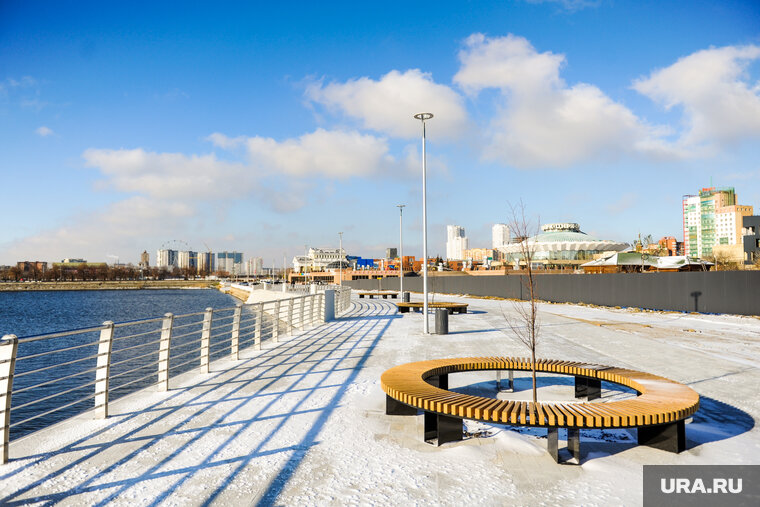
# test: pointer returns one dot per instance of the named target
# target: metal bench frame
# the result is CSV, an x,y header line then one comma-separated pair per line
x,y
404,307
385,295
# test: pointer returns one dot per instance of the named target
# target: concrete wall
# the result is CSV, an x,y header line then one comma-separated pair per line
x,y
735,292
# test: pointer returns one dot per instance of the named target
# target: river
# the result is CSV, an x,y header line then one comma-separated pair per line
x,y
33,313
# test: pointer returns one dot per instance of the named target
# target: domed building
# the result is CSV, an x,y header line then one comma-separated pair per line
x,y
560,246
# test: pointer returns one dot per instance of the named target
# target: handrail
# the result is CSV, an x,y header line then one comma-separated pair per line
x,y
219,331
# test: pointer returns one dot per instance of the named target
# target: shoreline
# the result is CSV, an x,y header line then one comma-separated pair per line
x,y
107,285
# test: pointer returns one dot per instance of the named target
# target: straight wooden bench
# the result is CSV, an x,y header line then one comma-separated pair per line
x,y
385,295
404,307
658,412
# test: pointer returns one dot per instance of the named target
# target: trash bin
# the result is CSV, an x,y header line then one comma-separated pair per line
x,y
405,297
441,321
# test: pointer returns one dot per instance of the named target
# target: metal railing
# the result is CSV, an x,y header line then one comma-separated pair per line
x,y
58,375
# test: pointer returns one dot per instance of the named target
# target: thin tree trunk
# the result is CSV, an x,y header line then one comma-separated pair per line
x,y
533,368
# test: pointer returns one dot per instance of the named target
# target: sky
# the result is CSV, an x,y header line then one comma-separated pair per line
x,y
267,128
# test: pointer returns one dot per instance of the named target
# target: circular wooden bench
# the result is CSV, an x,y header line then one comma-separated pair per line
x,y
658,411
404,307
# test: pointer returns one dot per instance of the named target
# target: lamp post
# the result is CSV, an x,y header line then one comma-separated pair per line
x,y
401,250
340,260
425,327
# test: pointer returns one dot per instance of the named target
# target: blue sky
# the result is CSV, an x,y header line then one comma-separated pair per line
x,y
264,127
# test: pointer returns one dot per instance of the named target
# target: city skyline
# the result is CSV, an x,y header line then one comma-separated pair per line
x,y
263,128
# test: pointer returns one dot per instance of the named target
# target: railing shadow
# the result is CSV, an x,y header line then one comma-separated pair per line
x,y
257,408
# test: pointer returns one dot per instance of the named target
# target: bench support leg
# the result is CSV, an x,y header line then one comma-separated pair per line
x,y
590,388
395,407
431,427
449,429
580,387
573,445
668,437
441,429
440,381
510,382
593,389
552,442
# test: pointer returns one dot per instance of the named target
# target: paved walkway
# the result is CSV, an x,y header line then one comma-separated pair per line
x,y
302,422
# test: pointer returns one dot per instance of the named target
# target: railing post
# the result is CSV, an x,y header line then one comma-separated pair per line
x,y
103,370
302,322
8,348
257,329
290,316
330,299
164,347
321,307
312,309
276,326
206,338
235,335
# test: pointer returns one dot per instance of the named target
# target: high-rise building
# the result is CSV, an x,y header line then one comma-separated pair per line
x,y
456,243
144,260
187,260
231,262
166,258
391,253
254,266
499,235
712,219
206,263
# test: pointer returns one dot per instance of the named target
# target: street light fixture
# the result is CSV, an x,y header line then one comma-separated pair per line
x,y
401,250
340,260
425,327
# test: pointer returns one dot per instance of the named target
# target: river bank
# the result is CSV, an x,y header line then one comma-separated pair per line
x,y
108,285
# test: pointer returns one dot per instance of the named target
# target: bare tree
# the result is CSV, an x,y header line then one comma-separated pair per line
x,y
526,326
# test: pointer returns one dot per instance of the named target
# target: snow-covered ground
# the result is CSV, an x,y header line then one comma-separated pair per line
x,y
303,422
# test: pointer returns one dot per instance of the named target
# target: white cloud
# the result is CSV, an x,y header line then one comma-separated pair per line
x,y
44,131
167,191
720,104
222,141
169,175
122,227
11,83
509,62
388,104
332,154
543,122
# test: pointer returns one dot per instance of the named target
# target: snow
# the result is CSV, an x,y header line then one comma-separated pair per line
x,y
303,421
